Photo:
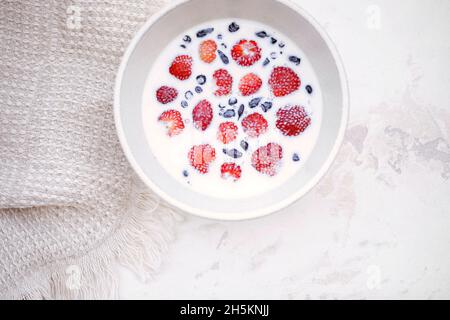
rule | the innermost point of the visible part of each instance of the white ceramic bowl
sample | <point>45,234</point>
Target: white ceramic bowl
<point>181,15</point>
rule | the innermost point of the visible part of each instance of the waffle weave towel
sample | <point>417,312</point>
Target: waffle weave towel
<point>69,204</point>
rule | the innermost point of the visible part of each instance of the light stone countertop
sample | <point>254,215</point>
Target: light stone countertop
<point>378,225</point>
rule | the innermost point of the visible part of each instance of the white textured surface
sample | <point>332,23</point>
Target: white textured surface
<point>378,225</point>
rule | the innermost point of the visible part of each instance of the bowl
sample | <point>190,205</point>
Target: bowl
<point>155,35</point>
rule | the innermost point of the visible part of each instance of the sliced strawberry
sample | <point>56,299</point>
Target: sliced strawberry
<point>230,170</point>
<point>246,53</point>
<point>202,115</point>
<point>224,82</point>
<point>173,120</point>
<point>292,120</point>
<point>250,84</point>
<point>227,132</point>
<point>254,125</point>
<point>267,159</point>
<point>201,156</point>
<point>207,51</point>
<point>166,94</point>
<point>283,81</point>
<point>181,67</point>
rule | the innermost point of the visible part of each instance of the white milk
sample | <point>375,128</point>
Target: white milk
<point>172,151</point>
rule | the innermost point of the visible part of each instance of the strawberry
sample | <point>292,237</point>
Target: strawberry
<point>283,81</point>
<point>181,67</point>
<point>250,84</point>
<point>255,125</point>
<point>166,94</point>
<point>227,132</point>
<point>173,120</point>
<point>228,170</point>
<point>246,53</point>
<point>267,159</point>
<point>201,156</point>
<point>202,115</point>
<point>207,51</point>
<point>224,82</point>
<point>292,120</point>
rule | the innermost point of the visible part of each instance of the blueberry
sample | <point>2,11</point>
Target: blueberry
<point>188,95</point>
<point>232,101</point>
<point>266,62</point>
<point>223,57</point>
<point>187,39</point>
<point>234,153</point>
<point>295,157</point>
<point>241,111</point>
<point>262,34</point>
<point>204,32</point>
<point>281,45</point>
<point>198,89</point>
<point>254,102</point>
<point>219,36</point>
<point>185,173</point>
<point>233,27</point>
<point>183,46</point>
<point>184,104</point>
<point>230,113</point>
<point>266,106</point>
<point>273,40</point>
<point>273,55</point>
<point>201,79</point>
<point>244,145</point>
<point>309,89</point>
<point>295,60</point>
<point>225,151</point>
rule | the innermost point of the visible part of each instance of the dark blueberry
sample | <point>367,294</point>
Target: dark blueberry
<point>273,55</point>
<point>309,89</point>
<point>184,104</point>
<point>185,173</point>
<point>266,106</point>
<point>183,46</point>
<point>188,95</point>
<point>187,39</point>
<point>266,62</point>
<point>244,145</point>
<point>281,45</point>
<point>295,157</point>
<point>254,102</point>
<point>223,57</point>
<point>233,27</point>
<point>273,40</point>
<point>295,60</point>
<point>232,101</point>
<point>262,34</point>
<point>198,89</point>
<point>219,36</point>
<point>204,32</point>
<point>201,79</point>
<point>230,113</point>
<point>241,111</point>
<point>234,153</point>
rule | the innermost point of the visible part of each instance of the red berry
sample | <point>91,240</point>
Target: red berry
<point>228,170</point>
<point>227,132</point>
<point>254,125</point>
<point>283,81</point>
<point>173,120</point>
<point>250,84</point>
<point>246,53</point>
<point>292,120</point>
<point>202,115</point>
<point>181,67</point>
<point>207,51</point>
<point>224,82</point>
<point>201,156</point>
<point>267,159</point>
<point>166,94</point>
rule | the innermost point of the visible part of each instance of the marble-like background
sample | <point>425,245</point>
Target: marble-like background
<point>378,225</point>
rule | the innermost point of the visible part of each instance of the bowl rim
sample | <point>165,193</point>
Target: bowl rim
<point>257,213</point>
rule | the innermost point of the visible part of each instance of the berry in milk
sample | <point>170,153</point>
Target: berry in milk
<point>232,108</point>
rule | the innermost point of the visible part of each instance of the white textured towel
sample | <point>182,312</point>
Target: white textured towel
<point>69,205</point>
